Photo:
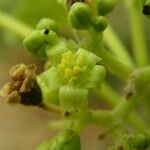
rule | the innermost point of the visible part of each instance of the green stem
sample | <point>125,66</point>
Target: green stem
<point>138,38</point>
<point>124,108</point>
<point>114,65</point>
<point>112,100</point>
<point>101,117</point>
<point>94,43</point>
<point>138,123</point>
<point>14,25</point>
<point>117,47</point>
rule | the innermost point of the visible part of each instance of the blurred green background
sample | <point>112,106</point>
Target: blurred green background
<point>23,128</point>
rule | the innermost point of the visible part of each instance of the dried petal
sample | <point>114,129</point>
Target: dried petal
<point>14,98</point>
<point>17,72</point>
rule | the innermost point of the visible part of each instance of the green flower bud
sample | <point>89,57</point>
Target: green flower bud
<point>37,42</point>
<point>66,140</point>
<point>73,98</point>
<point>99,23</point>
<point>47,23</point>
<point>80,16</point>
<point>139,141</point>
<point>146,8</point>
<point>105,6</point>
<point>50,37</point>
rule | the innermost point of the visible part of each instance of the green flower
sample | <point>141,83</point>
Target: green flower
<point>68,82</point>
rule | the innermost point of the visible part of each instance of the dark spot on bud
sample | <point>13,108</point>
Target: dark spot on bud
<point>146,10</point>
<point>46,31</point>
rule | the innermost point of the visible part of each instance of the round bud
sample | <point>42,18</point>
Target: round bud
<point>49,36</point>
<point>35,44</point>
<point>105,6</point>
<point>99,23</point>
<point>80,16</point>
<point>47,23</point>
<point>138,141</point>
<point>73,98</point>
<point>66,140</point>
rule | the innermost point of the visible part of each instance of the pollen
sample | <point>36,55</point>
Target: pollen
<point>68,73</point>
<point>76,70</point>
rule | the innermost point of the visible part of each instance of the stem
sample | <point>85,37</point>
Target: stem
<point>14,25</point>
<point>101,117</point>
<point>138,123</point>
<point>112,100</point>
<point>94,43</point>
<point>117,47</point>
<point>123,108</point>
<point>52,109</point>
<point>138,39</point>
<point>57,125</point>
<point>114,65</point>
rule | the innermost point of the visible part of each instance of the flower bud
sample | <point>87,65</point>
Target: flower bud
<point>139,141</point>
<point>47,23</point>
<point>80,16</point>
<point>99,23</point>
<point>49,36</point>
<point>35,44</point>
<point>105,6</point>
<point>73,98</point>
<point>66,140</point>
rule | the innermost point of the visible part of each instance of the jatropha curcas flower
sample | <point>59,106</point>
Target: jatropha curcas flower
<point>68,83</point>
<point>72,73</point>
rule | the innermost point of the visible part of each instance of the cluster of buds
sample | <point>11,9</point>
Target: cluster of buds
<point>73,71</point>
<point>80,15</point>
